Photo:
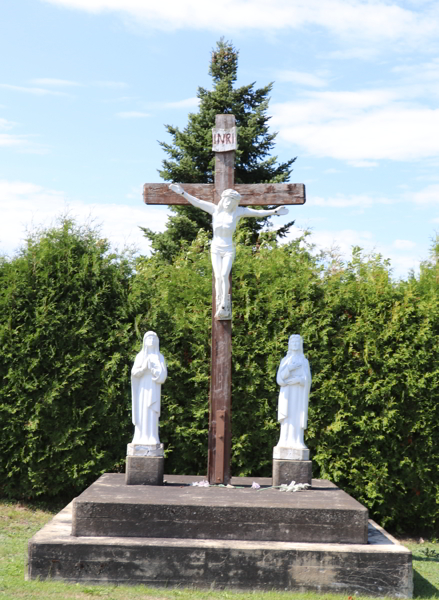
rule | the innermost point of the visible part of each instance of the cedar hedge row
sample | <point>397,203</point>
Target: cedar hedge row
<point>72,316</point>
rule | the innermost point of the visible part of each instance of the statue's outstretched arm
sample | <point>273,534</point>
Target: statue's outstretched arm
<point>206,206</point>
<point>260,214</point>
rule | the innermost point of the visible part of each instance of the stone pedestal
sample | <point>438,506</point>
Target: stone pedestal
<point>291,464</point>
<point>286,471</point>
<point>144,464</point>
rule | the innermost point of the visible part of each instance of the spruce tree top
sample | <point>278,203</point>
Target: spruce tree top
<point>190,157</point>
<point>224,62</point>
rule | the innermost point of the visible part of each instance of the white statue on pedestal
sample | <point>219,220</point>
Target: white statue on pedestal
<point>225,217</point>
<point>148,373</point>
<point>294,378</point>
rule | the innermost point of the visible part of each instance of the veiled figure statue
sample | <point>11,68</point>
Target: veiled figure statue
<point>147,375</point>
<point>294,378</point>
<point>225,217</point>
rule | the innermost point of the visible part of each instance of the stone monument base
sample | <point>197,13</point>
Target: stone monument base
<point>286,471</point>
<point>323,514</point>
<point>144,470</point>
<point>380,567</point>
<point>145,464</point>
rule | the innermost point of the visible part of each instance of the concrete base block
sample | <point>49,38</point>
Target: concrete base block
<point>179,510</point>
<point>144,470</point>
<point>380,568</point>
<point>286,471</point>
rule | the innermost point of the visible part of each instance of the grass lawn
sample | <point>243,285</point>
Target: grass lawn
<point>18,523</point>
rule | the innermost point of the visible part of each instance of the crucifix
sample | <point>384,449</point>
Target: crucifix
<point>209,196</point>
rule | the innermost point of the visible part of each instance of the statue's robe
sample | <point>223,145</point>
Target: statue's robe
<point>293,399</point>
<point>146,391</point>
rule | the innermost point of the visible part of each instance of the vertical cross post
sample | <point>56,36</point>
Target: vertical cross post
<point>220,397</point>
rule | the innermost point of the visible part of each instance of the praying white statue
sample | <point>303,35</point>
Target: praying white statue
<point>147,375</point>
<point>225,217</point>
<point>294,378</point>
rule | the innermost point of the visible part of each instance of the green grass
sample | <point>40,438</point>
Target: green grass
<point>18,523</point>
<point>425,569</point>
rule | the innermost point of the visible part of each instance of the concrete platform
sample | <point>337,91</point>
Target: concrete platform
<point>381,568</point>
<point>323,514</point>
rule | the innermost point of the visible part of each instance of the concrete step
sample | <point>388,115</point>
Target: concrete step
<point>323,514</point>
<point>381,568</point>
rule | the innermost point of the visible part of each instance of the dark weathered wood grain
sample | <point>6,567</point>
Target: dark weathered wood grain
<point>265,194</point>
<point>220,396</point>
<point>253,194</point>
<point>159,193</point>
<point>219,445</point>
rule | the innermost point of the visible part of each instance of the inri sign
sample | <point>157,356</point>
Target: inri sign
<point>224,140</point>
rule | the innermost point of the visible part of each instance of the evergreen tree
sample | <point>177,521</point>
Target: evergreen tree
<point>191,159</point>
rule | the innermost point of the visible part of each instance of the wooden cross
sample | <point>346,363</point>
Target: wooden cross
<point>261,194</point>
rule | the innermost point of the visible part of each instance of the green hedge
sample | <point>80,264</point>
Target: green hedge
<point>65,343</point>
<point>73,316</point>
<point>373,348</point>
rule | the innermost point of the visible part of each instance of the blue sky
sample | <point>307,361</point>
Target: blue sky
<point>86,87</point>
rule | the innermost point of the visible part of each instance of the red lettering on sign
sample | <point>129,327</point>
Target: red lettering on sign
<point>224,139</point>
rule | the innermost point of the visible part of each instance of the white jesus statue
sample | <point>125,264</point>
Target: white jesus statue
<point>225,217</point>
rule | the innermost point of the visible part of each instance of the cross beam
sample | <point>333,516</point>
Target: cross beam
<point>261,194</point>
<point>253,194</point>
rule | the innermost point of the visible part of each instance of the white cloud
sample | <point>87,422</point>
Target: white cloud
<point>7,140</point>
<point>132,115</point>
<point>354,19</point>
<point>24,205</point>
<point>360,127</point>
<point>401,264</point>
<point>403,244</point>
<point>429,195</point>
<point>344,240</point>
<point>186,103</point>
<point>5,124</point>
<point>301,78</point>
<point>363,163</point>
<point>341,242</point>
<point>354,53</point>
<point>111,84</point>
<point>351,201</point>
<point>36,91</point>
<point>55,82</point>
<point>426,72</point>
<point>23,143</point>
